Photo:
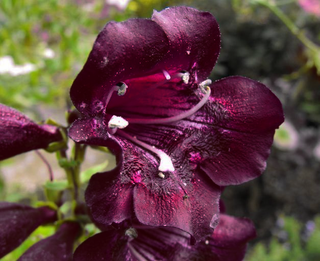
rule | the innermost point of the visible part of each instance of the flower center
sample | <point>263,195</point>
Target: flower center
<point>117,122</point>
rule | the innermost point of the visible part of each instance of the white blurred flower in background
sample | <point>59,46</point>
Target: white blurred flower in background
<point>286,137</point>
<point>48,53</point>
<point>120,4</point>
<point>7,66</point>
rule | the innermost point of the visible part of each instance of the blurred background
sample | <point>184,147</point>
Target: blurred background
<point>44,44</point>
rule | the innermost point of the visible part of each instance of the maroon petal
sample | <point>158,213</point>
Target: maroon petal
<point>19,134</point>
<point>245,114</point>
<point>244,105</point>
<point>233,232</point>
<point>193,46</point>
<point>158,243</point>
<point>94,132</point>
<point>230,136</point>
<point>57,247</point>
<point>228,242</point>
<point>188,203</point>
<point>147,244</point>
<point>17,222</point>
<point>121,51</point>
<point>194,38</point>
<point>109,200</point>
<point>109,245</point>
<point>194,210</point>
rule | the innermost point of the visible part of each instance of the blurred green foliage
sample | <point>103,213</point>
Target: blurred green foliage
<point>292,248</point>
<point>68,28</point>
<point>40,233</point>
<point>27,30</point>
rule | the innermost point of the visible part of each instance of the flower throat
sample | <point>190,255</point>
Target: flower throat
<point>116,123</point>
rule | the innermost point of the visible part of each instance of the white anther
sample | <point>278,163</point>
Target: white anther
<point>131,232</point>
<point>117,122</point>
<point>203,85</point>
<point>161,175</point>
<point>165,162</point>
<point>167,75</point>
<point>122,89</point>
<point>185,77</point>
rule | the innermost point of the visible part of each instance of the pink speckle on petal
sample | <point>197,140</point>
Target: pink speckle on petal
<point>195,157</point>
<point>136,177</point>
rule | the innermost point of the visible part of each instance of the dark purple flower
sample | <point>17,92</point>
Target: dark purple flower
<point>19,134</point>
<point>58,247</point>
<point>17,222</point>
<point>227,243</point>
<point>176,139</point>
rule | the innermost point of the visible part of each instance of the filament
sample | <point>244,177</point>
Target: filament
<point>181,116</point>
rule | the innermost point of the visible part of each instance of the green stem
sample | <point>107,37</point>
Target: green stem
<point>314,49</point>
<point>69,173</point>
<point>78,157</point>
<point>291,26</point>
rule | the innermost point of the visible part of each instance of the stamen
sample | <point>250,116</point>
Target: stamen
<point>177,117</point>
<point>161,175</point>
<point>165,160</point>
<point>203,85</point>
<point>113,89</point>
<point>131,232</point>
<point>117,122</point>
<point>122,88</point>
<point>184,76</point>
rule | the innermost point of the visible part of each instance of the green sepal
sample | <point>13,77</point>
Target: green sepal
<point>48,204</point>
<point>52,122</point>
<point>54,190</point>
<point>58,145</point>
<point>57,185</point>
<point>67,164</point>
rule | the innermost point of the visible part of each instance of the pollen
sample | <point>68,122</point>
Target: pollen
<point>204,86</point>
<point>185,77</point>
<point>122,89</point>
<point>161,175</point>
